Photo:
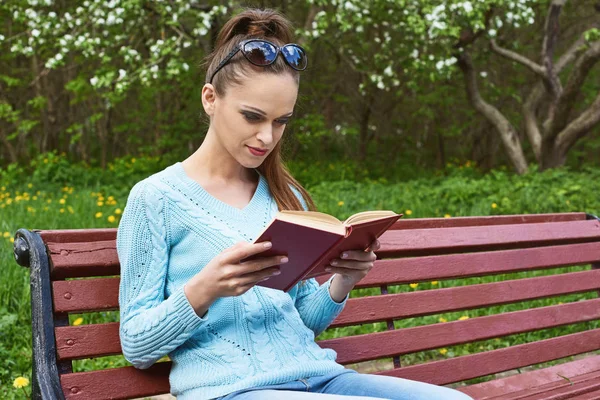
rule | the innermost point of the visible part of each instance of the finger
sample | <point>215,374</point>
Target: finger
<point>254,278</point>
<point>358,255</point>
<point>263,262</point>
<point>243,251</point>
<point>353,265</point>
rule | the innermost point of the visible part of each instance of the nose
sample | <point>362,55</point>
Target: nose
<point>265,134</point>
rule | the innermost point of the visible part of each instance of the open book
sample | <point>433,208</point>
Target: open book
<point>311,239</point>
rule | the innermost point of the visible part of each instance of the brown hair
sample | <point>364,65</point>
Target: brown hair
<point>263,24</point>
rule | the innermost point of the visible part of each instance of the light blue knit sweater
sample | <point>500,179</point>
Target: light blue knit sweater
<point>170,229</point>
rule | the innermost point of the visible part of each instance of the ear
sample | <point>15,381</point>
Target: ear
<point>209,96</point>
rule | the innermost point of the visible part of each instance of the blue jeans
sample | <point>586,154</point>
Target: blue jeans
<point>349,385</point>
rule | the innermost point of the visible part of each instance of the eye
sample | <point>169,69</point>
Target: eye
<point>282,121</point>
<point>251,117</point>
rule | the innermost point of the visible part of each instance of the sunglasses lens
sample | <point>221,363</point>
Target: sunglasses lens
<point>260,53</point>
<point>295,56</point>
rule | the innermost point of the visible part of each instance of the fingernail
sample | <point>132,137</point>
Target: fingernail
<point>334,262</point>
<point>344,255</point>
<point>267,244</point>
<point>276,273</point>
<point>284,260</point>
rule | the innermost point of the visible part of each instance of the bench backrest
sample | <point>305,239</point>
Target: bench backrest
<point>413,251</point>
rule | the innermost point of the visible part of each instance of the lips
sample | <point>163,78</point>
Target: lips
<point>257,151</point>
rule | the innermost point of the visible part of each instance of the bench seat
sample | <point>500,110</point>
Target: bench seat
<point>77,271</point>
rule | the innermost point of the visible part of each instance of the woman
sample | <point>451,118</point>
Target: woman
<point>184,230</point>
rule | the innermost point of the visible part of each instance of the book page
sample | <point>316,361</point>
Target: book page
<point>368,216</point>
<point>314,219</point>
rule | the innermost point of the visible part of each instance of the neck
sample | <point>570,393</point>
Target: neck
<point>212,162</point>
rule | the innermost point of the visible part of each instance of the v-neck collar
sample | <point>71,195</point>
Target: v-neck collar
<point>262,191</point>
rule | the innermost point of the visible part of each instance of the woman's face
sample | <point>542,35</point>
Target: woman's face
<point>251,115</point>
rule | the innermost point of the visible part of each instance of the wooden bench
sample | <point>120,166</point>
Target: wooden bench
<point>415,250</point>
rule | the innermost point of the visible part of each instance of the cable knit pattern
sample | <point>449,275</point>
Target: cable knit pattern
<point>170,229</point>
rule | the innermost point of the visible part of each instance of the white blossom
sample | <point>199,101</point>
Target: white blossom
<point>35,33</point>
<point>483,74</point>
<point>94,81</point>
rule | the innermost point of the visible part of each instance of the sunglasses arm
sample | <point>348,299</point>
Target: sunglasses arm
<point>225,61</point>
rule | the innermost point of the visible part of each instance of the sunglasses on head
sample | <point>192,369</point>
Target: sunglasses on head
<point>262,53</point>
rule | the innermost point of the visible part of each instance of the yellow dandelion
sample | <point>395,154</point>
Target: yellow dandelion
<point>434,283</point>
<point>340,203</point>
<point>34,198</point>
<point>98,215</point>
<point>133,160</point>
<point>442,319</point>
<point>446,215</point>
<point>463,318</point>
<point>21,382</point>
<point>62,210</point>
<point>29,185</point>
<point>62,201</point>
<point>443,351</point>
<point>78,321</point>
<point>100,198</point>
<point>414,285</point>
<point>12,239</point>
<point>49,201</point>
<point>3,188</point>
<point>118,211</point>
<point>110,198</point>
<point>494,205</point>
<point>45,161</point>
<point>408,212</point>
<point>6,234</point>
<point>111,218</point>
<point>100,203</point>
<point>70,209</point>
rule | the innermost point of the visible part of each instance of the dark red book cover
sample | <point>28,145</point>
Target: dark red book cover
<point>310,249</point>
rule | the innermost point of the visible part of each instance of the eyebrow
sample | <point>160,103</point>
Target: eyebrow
<point>258,110</point>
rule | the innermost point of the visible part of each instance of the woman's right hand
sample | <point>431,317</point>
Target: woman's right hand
<point>225,276</point>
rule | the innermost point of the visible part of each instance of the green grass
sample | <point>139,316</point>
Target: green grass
<point>34,205</point>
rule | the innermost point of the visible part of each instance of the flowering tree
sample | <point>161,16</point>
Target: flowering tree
<point>397,42</point>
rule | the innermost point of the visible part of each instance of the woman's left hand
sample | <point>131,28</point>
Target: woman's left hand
<point>355,265</point>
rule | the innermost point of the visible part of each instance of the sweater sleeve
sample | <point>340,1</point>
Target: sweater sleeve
<point>316,307</point>
<point>151,326</point>
<point>313,302</point>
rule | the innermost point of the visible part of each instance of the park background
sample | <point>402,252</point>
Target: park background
<point>429,108</point>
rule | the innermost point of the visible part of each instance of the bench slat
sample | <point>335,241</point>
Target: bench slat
<point>76,259</point>
<point>102,294</point>
<point>425,242</point>
<point>427,302</point>
<point>77,235</point>
<point>86,295</point>
<point>429,223</point>
<point>566,392</point>
<point>99,258</point>
<point>117,383</point>
<point>595,395</point>
<point>539,378</point>
<point>98,340</point>
<point>494,361</point>
<point>419,269</point>
<point>352,349</point>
